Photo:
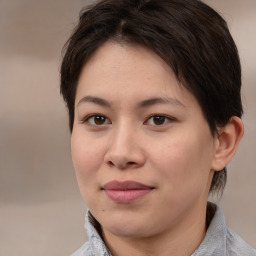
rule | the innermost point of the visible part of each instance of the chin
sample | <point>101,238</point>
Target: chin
<point>126,227</point>
<point>127,231</point>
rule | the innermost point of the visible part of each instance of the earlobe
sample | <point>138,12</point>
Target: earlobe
<point>228,138</point>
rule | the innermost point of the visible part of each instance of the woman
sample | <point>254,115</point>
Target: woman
<point>153,93</point>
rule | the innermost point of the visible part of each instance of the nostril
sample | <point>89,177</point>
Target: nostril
<point>131,163</point>
<point>110,163</point>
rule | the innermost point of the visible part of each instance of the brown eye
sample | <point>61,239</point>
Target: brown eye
<point>159,120</point>
<point>97,120</point>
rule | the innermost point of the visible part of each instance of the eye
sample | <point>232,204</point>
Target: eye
<point>96,120</point>
<point>158,120</point>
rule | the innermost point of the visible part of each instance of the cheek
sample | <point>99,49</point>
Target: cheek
<point>184,159</point>
<point>87,157</point>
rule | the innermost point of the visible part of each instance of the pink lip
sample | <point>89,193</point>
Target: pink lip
<point>126,191</point>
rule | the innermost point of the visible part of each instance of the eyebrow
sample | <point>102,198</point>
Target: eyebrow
<point>142,104</point>
<point>155,101</point>
<point>96,100</point>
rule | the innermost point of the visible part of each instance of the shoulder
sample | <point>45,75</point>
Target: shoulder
<point>219,239</point>
<point>84,250</point>
<point>236,246</point>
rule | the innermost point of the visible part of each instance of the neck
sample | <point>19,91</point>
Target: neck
<point>182,240</point>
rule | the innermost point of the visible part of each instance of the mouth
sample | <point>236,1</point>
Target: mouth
<point>126,191</point>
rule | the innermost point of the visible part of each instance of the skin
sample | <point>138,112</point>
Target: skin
<point>175,155</point>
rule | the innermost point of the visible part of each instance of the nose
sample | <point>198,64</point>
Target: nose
<point>124,149</point>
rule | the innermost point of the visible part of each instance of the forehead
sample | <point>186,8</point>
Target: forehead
<point>126,61</point>
<point>131,71</point>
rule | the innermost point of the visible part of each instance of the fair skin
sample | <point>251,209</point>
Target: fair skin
<point>134,122</point>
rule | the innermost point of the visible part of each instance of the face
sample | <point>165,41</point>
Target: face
<point>141,147</point>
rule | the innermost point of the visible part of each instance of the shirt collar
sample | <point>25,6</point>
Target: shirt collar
<point>97,245</point>
<point>214,242</point>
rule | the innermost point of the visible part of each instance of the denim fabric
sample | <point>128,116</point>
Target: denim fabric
<point>219,240</point>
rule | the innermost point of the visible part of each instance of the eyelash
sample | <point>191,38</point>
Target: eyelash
<point>165,117</point>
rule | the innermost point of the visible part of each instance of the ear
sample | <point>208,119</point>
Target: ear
<point>227,141</point>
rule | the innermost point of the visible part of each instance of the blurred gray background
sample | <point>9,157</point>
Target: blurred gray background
<point>41,211</point>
